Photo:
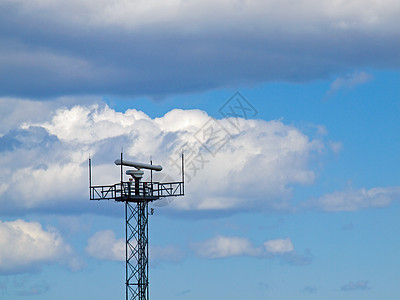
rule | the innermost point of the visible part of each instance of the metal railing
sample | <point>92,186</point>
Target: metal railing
<point>127,190</point>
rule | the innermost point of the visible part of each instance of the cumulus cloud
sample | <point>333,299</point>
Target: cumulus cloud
<point>222,246</point>
<point>230,246</point>
<point>203,44</point>
<point>355,286</point>
<point>44,164</point>
<point>105,246</point>
<point>25,246</point>
<point>352,200</point>
<point>279,246</point>
<point>16,111</point>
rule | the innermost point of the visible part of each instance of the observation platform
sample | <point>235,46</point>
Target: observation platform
<point>127,191</point>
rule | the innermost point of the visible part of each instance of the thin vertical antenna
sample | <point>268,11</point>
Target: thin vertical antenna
<point>126,248</point>
<point>151,172</point>
<point>122,171</point>
<point>90,176</point>
<point>126,228</point>
<point>147,250</point>
<point>183,173</point>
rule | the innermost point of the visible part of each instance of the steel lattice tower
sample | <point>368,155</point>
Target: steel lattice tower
<point>136,195</point>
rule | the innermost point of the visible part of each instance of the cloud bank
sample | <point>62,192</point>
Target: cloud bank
<point>44,164</point>
<point>51,48</point>
<point>105,246</point>
<point>25,246</point>
<point>232,164</point>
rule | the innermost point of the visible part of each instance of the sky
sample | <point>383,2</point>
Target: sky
<point>288,115</point>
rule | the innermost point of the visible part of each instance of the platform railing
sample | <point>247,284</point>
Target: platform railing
<point>146,190</point>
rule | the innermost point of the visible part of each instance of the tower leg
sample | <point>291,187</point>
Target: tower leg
<point>136,251</point>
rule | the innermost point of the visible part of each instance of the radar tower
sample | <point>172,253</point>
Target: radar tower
<point>136,195</point>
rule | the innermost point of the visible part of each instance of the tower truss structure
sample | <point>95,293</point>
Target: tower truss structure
<point>136,195</point>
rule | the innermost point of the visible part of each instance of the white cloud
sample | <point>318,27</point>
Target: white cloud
<point>279,246</point>
<point>231,246</point>
<point>16,111</point>
<point>349,81</point>
<point>104,245</point>
<point>222,246</point>
<point>255,167</point>
<point>26,245</point>
<point>91,124</point>
<point>352,200</point>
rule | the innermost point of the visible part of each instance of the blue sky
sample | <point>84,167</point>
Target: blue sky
<point>300,199</point>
